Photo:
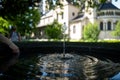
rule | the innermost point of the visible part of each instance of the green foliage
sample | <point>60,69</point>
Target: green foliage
<point>110,41</point>
<point>17,12</point>
<point>77,3</point>
<point>14,7</point>
<point>102,1</point>
<point>26,23</point>
<point>11,8</point>
<point>116,32</point>
<point>4,26</point>
<point>53,31</point>
<point>91,32</point>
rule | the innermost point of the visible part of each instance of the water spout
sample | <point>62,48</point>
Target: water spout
<point>64,28</point>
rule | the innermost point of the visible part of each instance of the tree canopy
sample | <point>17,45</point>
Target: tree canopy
<point>54,31</point>
<point>91,32</point>
<point>15,7</point>
<point>78,3</point>
<point>4,25</point>
<point>16,10</point>
<point>10,8</point>
<point>18,13</point>
<point>116,32</point>
<point>26,23</point>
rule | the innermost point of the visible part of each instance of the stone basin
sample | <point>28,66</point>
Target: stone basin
<point>90,62</point>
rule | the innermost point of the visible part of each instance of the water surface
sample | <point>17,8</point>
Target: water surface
<point>58,67</point>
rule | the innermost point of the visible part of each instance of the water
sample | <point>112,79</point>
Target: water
<point>55,67</point>
<point>76,67</point>
<point>7,60</point>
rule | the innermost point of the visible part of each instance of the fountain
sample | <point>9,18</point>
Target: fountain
<point>64,28</point>
<point>55,66</point>
<point>71,66</point>
<point>76,68</point>
<point>62,66</point>
<point>64,55</point>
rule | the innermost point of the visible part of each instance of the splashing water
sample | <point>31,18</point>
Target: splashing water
<point>76,67</point>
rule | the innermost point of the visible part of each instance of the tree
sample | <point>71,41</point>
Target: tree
<point>102,1</point>
<point>78,3</point>
<point>4,26</point>
<point>116,32</point>
<point>17,12</point>
<point>11,8</point>
<point>53,31</point>
<point>91,32</point>
<point>26,23</point>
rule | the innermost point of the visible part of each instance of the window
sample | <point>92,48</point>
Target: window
<point>109,25</point>
<point>74,29</point>
<point>57,16</point>
<point>73,14</point>
<point>101,25</point>
<point>62,14</point>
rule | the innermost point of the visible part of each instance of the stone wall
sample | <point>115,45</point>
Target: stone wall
<point>110,50</point>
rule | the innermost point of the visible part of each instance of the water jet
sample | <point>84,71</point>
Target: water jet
<point>35,64</point>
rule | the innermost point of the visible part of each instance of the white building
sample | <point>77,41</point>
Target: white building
<point>107,15</point>
<point>62,15</point>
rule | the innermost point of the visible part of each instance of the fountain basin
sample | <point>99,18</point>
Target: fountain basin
<point>109,50</point>
<point>89,59</point>
<point>54,67</point>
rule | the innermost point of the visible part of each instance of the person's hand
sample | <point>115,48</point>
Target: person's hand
<point>14,48</point>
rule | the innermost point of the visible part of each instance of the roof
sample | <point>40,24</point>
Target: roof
<point>78,17</point>
<point>69,1</point>
<point>108,5</point>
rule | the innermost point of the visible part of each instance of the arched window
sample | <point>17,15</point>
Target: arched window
<point>74,29</point>
<point>57,16</point>
<point>73,14</point>
<point>62,14</point>
<point>101,25</point>
<point>109,25</point>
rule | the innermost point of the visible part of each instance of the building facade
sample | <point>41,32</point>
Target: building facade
<point>62,15</point>
<point>107,15</point>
